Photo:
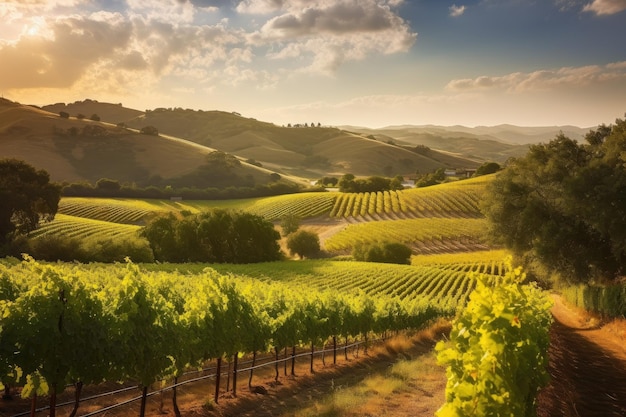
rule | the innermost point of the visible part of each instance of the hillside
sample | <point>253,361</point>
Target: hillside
<point>75,150</point>
<point>493,143</point>
<point>304,151</point>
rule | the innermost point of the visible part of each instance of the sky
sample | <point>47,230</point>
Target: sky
<point>371,63</point>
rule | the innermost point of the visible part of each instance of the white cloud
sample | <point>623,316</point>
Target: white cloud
<point>605,7</point>
<point>172,11</point>
<point>543,79</point>
<point>327,34</point>
<point>456,11</point>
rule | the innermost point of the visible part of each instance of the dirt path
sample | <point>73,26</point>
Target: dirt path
<point>587,367</point>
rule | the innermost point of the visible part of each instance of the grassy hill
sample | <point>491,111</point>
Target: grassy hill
<point>481,147</point>
<point>76,150</point>
<point>309,151</point>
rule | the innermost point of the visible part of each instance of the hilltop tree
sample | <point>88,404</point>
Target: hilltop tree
<point>149,130</point>
<point>26,198</point>
<point>561,207</point>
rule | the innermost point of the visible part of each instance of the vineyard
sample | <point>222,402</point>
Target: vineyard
<point>422,235</point>
<point>457,199</point>
<point>82,228</point>
<point>124,323</point>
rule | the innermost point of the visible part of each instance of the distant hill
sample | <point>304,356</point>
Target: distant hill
<point>315,151</point>
<point>75,150</point>
<point>496,143</point>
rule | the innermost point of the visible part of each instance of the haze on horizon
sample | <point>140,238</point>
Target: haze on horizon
<point>370,63</point>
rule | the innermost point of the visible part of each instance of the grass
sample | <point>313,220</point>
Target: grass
<point>407,381</point>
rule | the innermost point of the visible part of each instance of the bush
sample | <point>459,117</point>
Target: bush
<point>109,250</point>
<point>384,252</point>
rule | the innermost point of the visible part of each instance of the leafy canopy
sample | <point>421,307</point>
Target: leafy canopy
<point>561,207</point>
<point>26,198</point>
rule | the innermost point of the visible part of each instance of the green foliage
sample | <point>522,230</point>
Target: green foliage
<point>431,179</point>
<point>328,181</point>
<point>563,205</point>
<point>64,323</point>
<point>26,198</point>
<point>606,300</point>
<point>304,243</point>
<point>290,223</point>
<point>214,236</point>
<point>108,185</point>
<point>497,355</point>
<point>487,168</point>
<point>349,184</point>
<point>385,252</point>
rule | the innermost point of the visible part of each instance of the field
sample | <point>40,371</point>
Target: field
<point>441,224</point>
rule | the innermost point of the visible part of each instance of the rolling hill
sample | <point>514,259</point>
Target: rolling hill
<point>494,143</point>
<point>304,151</point>
<point>74,150</point>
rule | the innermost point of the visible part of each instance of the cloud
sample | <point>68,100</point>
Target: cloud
<point>605,7</point>
<point>58,61</point>
<point>456,11</point>
<point>172,41</point>
<point>543,79</point>
<point>330,33</point>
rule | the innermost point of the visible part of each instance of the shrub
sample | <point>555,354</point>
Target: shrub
<point>384,252</point>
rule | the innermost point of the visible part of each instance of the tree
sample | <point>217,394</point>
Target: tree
<point>303,243</point>
<point>64,115</point>
<point>561,207</point>
<point>149,130</point>
<point>384,252</point>
<point>220,236</point>
<point>95,117</point>
<point>27,197</point>
<point>487,168</point>
<point>108,185</point>
<point>290,223</point>
<point>347,183</point>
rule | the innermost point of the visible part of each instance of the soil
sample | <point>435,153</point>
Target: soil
<point>587,366</point>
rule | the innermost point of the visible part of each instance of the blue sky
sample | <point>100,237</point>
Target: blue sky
<point>361,62</point>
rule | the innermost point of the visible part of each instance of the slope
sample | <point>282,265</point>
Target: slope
<point>306,151</point>
<point>75,150</point>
